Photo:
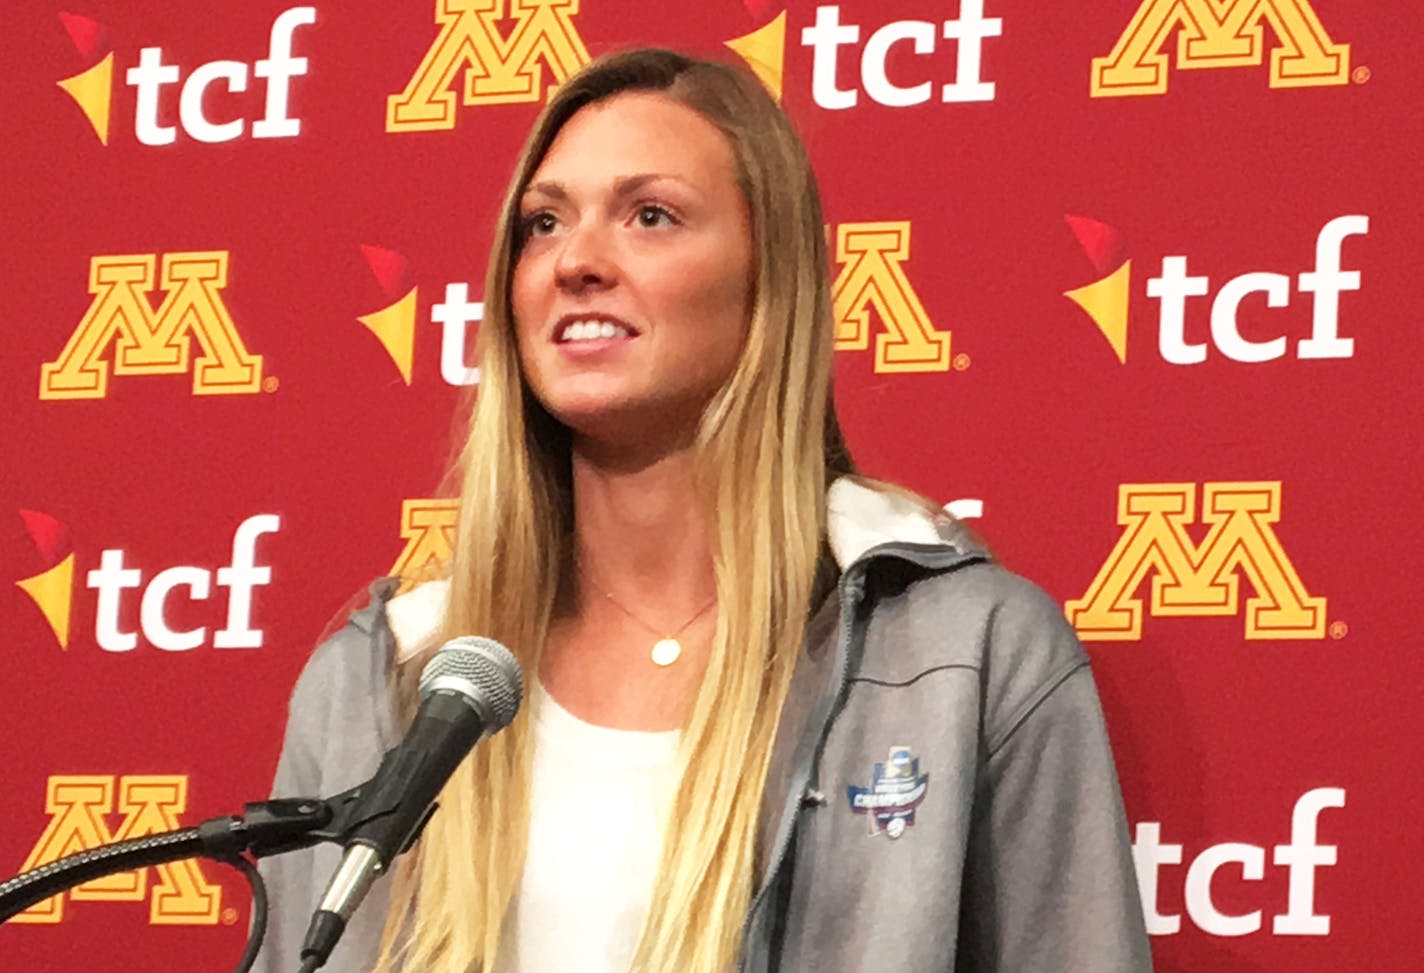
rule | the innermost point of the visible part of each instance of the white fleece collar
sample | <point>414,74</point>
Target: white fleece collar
<point>859,518</point>
<point>414,616</point>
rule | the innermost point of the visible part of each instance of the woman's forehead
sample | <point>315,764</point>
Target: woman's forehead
<point>636,134</point>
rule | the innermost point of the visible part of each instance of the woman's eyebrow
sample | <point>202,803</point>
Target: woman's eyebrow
<point>547,187</point>
<point>623,186</point>
<point>628,185</point>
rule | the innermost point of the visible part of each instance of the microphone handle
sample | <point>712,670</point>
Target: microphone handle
<point>394,806</point>
<point>383,824</point>
<point>359,868</point>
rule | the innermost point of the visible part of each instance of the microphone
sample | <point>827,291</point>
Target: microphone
<point>468,691</point>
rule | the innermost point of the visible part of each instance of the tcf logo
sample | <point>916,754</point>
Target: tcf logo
<point>1302,855</point>
<point>872,49</point>
<point>52,590</point>
<point>1107,299</point>
<point>92,89</point>
<point>394,324</point>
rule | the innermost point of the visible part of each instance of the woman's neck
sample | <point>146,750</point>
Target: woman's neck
<point>643,572</point>
<point>640,535</point>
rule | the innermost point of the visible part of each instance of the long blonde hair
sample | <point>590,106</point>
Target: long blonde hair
<point>767,446</point>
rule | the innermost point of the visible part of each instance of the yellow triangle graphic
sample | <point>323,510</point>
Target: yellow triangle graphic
<point>764,50</point>
<point>91,90</point>
<point>1106,303</point>
<point>52,591</point>
<point>394,326</point>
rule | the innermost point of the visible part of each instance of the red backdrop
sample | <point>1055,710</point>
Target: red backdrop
<point>1129,274</point>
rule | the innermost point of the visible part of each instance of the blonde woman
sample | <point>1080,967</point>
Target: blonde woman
<point>781,718</point>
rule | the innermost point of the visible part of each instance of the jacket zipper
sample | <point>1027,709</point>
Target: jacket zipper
<point>851,590</point>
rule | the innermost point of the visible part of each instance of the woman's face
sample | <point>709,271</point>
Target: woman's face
<point>632,285</point>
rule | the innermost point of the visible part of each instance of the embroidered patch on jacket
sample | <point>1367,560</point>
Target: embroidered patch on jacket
<point>896,788</point>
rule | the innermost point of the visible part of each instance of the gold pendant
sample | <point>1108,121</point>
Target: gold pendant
<point>666,651</point>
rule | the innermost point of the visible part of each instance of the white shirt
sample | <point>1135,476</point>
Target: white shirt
<point>599,798</point>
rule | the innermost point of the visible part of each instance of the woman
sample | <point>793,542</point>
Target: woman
<point>861,745</point>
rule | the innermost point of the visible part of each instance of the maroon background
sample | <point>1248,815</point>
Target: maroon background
<point>1216,736</point>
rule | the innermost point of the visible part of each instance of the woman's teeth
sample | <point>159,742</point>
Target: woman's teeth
<point>591,331</point>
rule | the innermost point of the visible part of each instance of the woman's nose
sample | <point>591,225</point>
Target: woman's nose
<point>585,259</point>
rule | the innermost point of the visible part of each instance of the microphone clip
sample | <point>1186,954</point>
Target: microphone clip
<point>281,825</point>
<point>278,826</point>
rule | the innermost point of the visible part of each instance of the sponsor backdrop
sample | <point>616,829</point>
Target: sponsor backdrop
<point>1123,282</point>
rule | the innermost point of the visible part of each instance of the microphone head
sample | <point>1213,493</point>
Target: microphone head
<point>481,670</point>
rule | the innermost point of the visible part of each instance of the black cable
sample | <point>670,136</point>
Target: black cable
<point>24,890</point>
<point>258,930</point>
<point>310,964</point>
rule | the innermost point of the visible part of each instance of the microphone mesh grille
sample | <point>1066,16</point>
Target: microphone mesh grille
<point>491,670</point>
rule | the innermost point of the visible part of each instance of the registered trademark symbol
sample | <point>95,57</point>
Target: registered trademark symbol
<point>1360,75</point>
<point>1338,630</point>
<point>961,362</point>
<point>270,383</point>
<point>229,916</point>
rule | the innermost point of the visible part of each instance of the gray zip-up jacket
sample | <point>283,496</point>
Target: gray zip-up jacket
<point>941,798</point>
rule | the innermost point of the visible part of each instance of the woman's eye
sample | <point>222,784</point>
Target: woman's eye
<point>539,224</point>
<point>652,215</point>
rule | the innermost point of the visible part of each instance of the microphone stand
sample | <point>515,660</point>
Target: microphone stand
<point>264,828</point>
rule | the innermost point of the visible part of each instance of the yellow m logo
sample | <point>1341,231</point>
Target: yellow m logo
<point>871,276</point>
<point>77,806</point>
<point>428,529</point>
<point>1192,579</point>
<point>498,70</point>
<point>1221,34</point>
<point>149,342</point>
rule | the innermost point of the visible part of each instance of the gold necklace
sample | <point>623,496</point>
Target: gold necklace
<point>667,649</point>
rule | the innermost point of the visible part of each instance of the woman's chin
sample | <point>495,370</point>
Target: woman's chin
<point>627,426</point>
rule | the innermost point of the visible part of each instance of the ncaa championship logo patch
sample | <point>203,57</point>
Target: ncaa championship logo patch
<point>896,788</point>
